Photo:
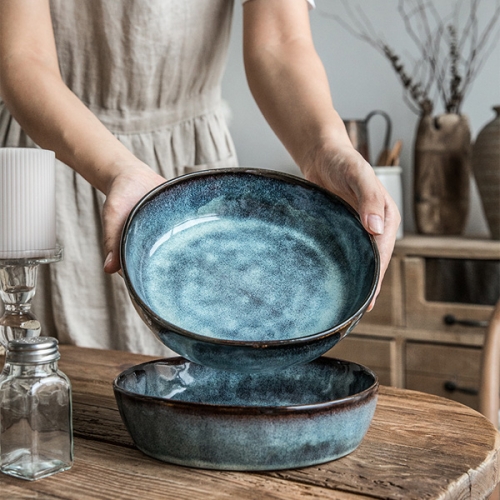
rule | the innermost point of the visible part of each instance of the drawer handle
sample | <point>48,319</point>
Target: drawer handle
<point>450,386</point>
<point>450,319</point>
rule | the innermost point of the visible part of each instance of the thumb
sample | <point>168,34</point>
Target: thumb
<point>113,222</point>
<point>125,191</point>
<point>371,205</point>
<point>371,210</point>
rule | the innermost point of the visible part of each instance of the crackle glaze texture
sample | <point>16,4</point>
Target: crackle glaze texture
<point>196,416</point>
<point>246,257</point>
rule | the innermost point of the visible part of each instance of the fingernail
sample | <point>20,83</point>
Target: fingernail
<point>376,224</point>
<point>109,258</point>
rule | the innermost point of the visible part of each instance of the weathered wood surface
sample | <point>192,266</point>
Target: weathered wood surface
<point>419,446</point>
<point>447,247</point>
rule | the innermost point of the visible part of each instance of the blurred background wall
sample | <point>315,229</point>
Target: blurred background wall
<point>361,80</point>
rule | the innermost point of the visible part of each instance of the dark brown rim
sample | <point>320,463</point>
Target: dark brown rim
<point>261,410</point>
<point>291,179</point>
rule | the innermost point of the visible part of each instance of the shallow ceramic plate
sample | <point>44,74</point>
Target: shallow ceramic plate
<point>247,269</point>
<point>187,414</point>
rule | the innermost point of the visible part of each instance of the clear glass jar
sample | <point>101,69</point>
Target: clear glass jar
<point>36,435</point>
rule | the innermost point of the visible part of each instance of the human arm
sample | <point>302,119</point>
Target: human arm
<point>289,83</point>
<point>35,94</point>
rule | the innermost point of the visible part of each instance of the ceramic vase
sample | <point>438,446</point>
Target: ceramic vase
<point>486,168</point>
<point>390,177</point>
<point>442,174</point>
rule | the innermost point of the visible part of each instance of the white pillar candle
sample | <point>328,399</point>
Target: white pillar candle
<point>27,203</point>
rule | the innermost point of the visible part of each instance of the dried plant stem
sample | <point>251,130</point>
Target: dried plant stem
<point>449,59</point>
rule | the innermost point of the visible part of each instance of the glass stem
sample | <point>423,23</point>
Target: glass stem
<point>17,289</point>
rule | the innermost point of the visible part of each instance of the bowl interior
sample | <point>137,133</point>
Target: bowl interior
<point>321,381</point>
<point>248,257</point>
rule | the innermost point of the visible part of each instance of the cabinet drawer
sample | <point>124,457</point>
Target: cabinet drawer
<point>430,367</point>
<point>388,310</point>
<point>421,313</point>
<point>373,353</point>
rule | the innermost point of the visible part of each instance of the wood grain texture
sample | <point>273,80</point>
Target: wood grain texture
<point>424,314</point>
<point>418,447</point>
<point>447,246</point>
<point>388,309</point>
<point>490,369</point>
<point>375,353</point>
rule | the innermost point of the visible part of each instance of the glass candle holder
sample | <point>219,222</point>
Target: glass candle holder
<point>27,235</point>
<point>18,279</point>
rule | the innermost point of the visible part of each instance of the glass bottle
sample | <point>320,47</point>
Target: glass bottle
<point>36,435</point>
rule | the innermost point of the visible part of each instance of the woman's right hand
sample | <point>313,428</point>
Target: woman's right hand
<point>35,94</point>
<point>126,189</point>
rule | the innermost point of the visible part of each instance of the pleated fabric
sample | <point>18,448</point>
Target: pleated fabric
<point>151,71</point>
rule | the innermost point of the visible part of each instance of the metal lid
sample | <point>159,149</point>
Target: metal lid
<point>33,350</point>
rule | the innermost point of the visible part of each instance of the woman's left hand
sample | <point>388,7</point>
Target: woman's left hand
<point>345,172</point>
<point>290,86</point>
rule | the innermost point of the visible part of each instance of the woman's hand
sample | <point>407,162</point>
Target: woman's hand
<point>34,92</point>
<point>290,86</point>
<point>345,172</point>
<point>126,189</point>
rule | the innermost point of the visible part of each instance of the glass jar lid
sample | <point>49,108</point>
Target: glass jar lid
<point>33,350</point>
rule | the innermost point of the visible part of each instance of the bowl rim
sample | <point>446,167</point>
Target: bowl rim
<point>260,172</point>
<point>354,399</point>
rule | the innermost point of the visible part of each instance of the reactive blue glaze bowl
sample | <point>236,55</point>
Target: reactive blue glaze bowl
<point>247,270</point>
<point>188,414</point>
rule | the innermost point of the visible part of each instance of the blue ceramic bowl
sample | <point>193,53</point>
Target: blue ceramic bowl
<point>247,270</point>
<point>192,415</point>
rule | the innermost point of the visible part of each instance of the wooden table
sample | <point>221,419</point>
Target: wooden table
<point>419,446</point>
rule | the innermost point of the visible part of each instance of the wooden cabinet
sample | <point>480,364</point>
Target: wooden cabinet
<point>372,352</point>
<point>430,315</point>
<point>427,328</point>
<point>446,370</point>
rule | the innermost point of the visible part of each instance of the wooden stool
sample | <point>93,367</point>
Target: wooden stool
<point>489,388</point>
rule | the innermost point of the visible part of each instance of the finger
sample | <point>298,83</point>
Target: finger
<point>371,210</point>
<point>371,204</point>
<point>385,242</point>
<point>112,224</point>
<point>380,217</point>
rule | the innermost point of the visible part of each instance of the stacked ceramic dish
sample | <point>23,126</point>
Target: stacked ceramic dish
<point>251,276</point>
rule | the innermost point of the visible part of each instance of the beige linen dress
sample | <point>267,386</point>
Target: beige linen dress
<point>151,72</point>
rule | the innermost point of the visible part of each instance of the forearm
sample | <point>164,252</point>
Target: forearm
<point>34,93</point>
<point>289,83</point>
<point>56,119</point>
